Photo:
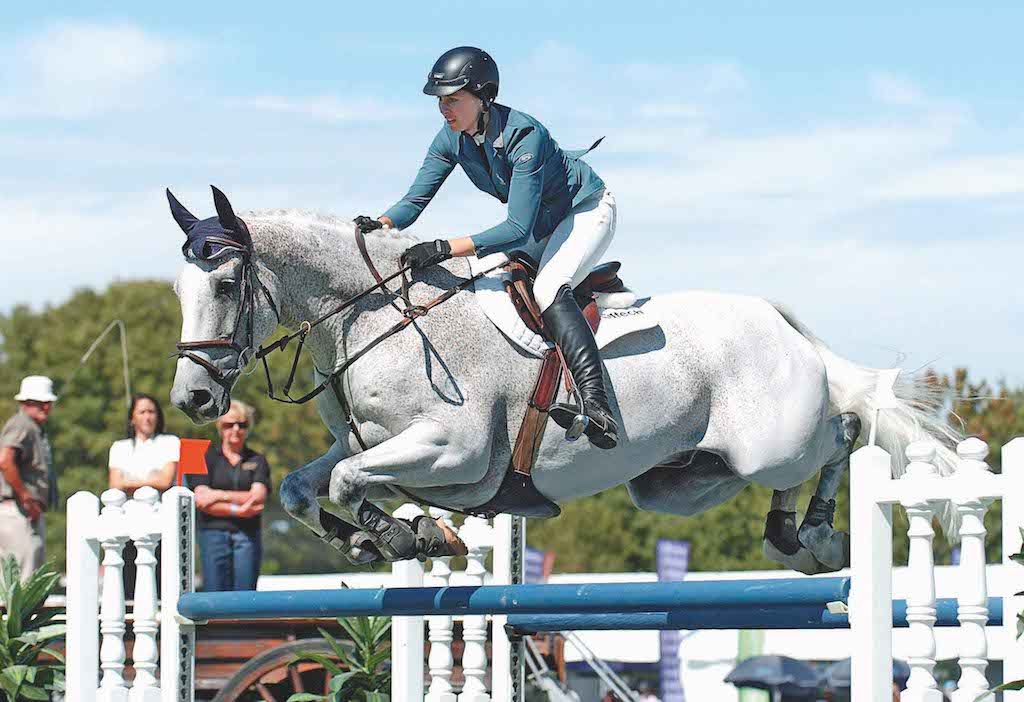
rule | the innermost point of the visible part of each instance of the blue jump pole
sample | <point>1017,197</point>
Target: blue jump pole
<point>787,617</point>
<point>752,595</point>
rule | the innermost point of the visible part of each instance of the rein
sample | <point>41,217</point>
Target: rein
<point>246,312</point>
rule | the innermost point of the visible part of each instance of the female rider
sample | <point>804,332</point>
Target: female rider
<point>560,216</point>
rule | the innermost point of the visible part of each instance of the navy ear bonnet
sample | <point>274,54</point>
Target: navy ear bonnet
<point>215,237</point>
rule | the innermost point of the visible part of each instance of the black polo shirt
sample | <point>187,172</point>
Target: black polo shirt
<point>221,475</point>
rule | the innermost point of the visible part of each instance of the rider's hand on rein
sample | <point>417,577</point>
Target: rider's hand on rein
<point>367,224</point>
<point>427,253</point>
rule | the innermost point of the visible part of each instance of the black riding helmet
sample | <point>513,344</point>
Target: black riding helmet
<point>464,67</point>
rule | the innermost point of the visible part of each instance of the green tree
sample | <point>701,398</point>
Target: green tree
<point>91,412</point>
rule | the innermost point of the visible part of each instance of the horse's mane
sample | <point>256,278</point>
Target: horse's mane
<point>297,218</point>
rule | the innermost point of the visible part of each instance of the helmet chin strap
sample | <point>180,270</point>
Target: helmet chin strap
<point>482,119</point>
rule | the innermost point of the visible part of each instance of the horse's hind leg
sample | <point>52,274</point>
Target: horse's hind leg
<point>816,547</point>
<point>300,491</point>
<point>830,548</point>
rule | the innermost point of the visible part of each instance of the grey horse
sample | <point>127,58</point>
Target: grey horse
<point>729,390</point>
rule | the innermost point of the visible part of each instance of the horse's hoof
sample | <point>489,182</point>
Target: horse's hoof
<point>830,548</point>
<point>436,539</point>
<point>803,561</point>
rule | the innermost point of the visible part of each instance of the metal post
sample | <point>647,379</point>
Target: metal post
<point>177,577</point>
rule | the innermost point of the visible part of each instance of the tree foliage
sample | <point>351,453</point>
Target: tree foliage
<point>91,412</point>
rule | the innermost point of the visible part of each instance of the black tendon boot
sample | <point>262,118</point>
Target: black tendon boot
<point>565,323</point>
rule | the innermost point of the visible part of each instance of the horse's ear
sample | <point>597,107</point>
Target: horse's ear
<point>183,217</point>
<point>225,214</point>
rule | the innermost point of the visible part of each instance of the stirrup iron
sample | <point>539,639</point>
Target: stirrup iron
<point>578,427</point>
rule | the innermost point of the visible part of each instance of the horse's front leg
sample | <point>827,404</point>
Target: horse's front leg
<point>412,458</point>
<point>300,491</point>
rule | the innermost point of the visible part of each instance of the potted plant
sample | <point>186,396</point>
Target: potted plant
<point>357,671</point>
<point>29,668</point>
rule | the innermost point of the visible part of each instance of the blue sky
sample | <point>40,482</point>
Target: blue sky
<point>865,167</point>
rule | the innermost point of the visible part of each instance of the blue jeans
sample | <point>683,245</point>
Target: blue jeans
<point>230,559</point>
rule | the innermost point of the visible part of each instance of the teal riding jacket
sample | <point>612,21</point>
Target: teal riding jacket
<point>520,164</point>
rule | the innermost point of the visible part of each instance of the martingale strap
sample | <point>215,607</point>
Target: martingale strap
<point>410,313</point>
<point>334,378</point>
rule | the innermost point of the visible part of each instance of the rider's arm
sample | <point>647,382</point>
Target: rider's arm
<point>524,193</point>
<point>438,164</point>
<point>462,246</point>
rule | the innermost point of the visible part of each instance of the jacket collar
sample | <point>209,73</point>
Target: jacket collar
<point>494,131</point>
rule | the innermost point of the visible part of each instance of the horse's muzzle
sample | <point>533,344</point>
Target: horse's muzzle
<point>200,404</point>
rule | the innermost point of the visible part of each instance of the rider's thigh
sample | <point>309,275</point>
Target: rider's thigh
<point>575,247</point>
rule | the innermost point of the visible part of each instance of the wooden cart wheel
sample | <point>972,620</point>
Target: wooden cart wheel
<point>274,675</point>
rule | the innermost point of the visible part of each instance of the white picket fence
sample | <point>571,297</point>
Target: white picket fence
<point>922,492</point>
<point>96,654</point>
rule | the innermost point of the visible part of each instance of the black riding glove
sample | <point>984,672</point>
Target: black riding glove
<point>366,224</point>
<point>428,253</point>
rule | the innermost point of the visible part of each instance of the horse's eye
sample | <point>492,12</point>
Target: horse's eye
<point>226,287</point>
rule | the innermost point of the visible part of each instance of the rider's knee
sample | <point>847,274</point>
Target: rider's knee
<point>546,287</point>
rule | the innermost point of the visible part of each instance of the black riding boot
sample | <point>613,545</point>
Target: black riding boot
<point>565,323</point>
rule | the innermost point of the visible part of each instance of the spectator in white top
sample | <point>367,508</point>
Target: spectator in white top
<point>147,457</point>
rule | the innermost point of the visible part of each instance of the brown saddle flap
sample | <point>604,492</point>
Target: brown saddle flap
<point>519,284</point>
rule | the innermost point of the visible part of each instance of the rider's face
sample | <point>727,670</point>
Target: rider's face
<point>460,110</point>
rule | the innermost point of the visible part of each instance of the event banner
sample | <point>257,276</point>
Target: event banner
<point>672,559</point>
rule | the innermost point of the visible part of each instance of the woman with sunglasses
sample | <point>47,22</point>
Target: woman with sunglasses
<point>229,501</point>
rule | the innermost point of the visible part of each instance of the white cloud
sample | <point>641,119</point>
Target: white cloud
<point>58,242</point>
<point>895,90</point>
<point>669,110</point>
<point>75,70</point>
<point>825,215</point>
<point>968,177</point>
<point>326,108</point>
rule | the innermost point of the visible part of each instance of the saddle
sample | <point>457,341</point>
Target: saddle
<point>517,494</point>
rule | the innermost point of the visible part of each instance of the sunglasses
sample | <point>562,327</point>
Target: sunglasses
<point>230,425</point>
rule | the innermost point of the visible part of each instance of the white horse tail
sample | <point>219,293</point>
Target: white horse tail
<point>916,415</point>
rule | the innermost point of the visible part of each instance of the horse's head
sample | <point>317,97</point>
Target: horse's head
<point>226,309</point>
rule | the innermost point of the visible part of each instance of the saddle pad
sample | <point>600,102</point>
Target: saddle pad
<point>621,313</point>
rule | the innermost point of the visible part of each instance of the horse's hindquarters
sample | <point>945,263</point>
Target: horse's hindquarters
<point>725,374</point>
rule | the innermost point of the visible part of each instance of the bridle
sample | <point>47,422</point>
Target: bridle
<point>244,321</point>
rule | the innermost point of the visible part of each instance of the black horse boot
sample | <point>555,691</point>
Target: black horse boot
<point>568,328</point>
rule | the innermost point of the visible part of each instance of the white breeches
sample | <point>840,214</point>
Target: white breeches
<point>575,247</point>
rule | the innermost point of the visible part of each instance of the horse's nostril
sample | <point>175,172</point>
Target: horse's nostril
<point>200,398</point>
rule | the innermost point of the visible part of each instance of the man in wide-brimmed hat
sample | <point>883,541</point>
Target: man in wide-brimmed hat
<point>28,485</point>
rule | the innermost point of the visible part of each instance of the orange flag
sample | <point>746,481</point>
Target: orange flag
<point>192,459</point>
